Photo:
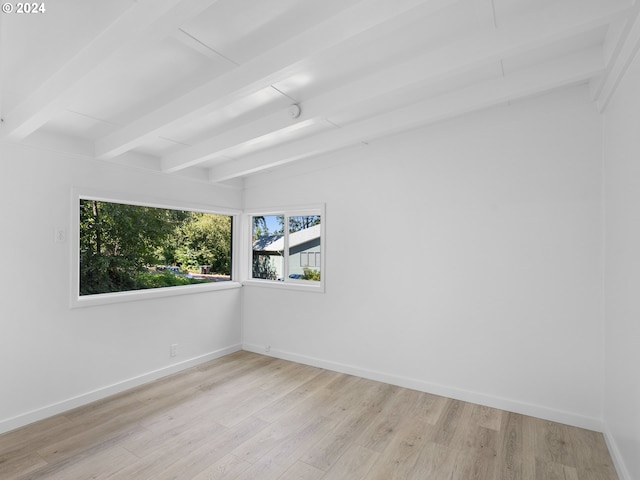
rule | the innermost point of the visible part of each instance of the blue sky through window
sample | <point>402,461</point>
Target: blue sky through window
<point>272,223</point>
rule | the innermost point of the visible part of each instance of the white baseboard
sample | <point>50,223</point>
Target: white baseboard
<point>568,418</point>
<point>18,421</point>
<point>621,468</point>
<point>515,406</point>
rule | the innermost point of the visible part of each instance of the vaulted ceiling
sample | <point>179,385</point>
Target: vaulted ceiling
<point>206,88</point>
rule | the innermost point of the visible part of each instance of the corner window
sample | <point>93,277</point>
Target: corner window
<point>125,248</point>
<point>286,247</point>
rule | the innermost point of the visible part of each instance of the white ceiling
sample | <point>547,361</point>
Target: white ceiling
<point>203,87</point>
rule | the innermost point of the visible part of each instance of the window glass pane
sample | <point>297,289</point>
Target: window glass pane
<point>268,247</point>
<point>304,244</point>
<point>132,247</point>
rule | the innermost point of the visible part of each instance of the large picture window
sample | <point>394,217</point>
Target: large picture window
<point>126,247</point>
<point>287,247</point>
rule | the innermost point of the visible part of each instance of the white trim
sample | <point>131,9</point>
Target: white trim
<point>136,295</point>
<point>628,49</point>
<point>128,198</point>
<point>511,405</point>
<point>291,285</point>
<point>616,456</point>
<point>21,420</point>
<point>77,301</point>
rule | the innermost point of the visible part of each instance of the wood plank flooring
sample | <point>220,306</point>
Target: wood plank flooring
<point>247,416</point>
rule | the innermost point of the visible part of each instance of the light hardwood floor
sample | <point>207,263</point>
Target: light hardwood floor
<point>250,417</point>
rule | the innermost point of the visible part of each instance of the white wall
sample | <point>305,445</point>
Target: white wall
<point>462,259</point>
<point>53,357</point>
<point>622,272</point>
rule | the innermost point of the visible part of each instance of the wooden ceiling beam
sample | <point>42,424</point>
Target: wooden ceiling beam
<point>473,50</point>
<point>366,19</point>
<point>142,21</point>
<point>569,70</point>
<point>624,43</point>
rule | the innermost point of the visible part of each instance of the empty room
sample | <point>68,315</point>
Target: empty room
<point>320,239</point>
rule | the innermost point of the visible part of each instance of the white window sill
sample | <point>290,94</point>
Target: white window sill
<point>136,295</point>
<point>316,287</point>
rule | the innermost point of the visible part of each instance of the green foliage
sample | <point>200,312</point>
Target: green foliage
<point>296,223</point>
<point>310,274</point>
<point>262,267</point>
<point>118,242</point>
<point>259,227</point>
<point>205,239</point>
<point>164,279</point>
<point>300,223</point>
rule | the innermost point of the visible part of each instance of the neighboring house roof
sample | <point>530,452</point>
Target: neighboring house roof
<point>275,243</point>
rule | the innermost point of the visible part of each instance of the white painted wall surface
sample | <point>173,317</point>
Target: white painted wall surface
<point>53,357</point>
<point>622,272</point>
<point>462,259</point>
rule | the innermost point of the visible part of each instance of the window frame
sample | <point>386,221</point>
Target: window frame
<point>78,301</point>
<point>287,283</point>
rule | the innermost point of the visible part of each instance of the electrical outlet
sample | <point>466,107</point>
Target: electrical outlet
<point>60,236</point>
<point>267,348</point>
<point>173,350</point>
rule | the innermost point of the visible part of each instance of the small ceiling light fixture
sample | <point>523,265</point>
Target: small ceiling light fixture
<point>294,110</point>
